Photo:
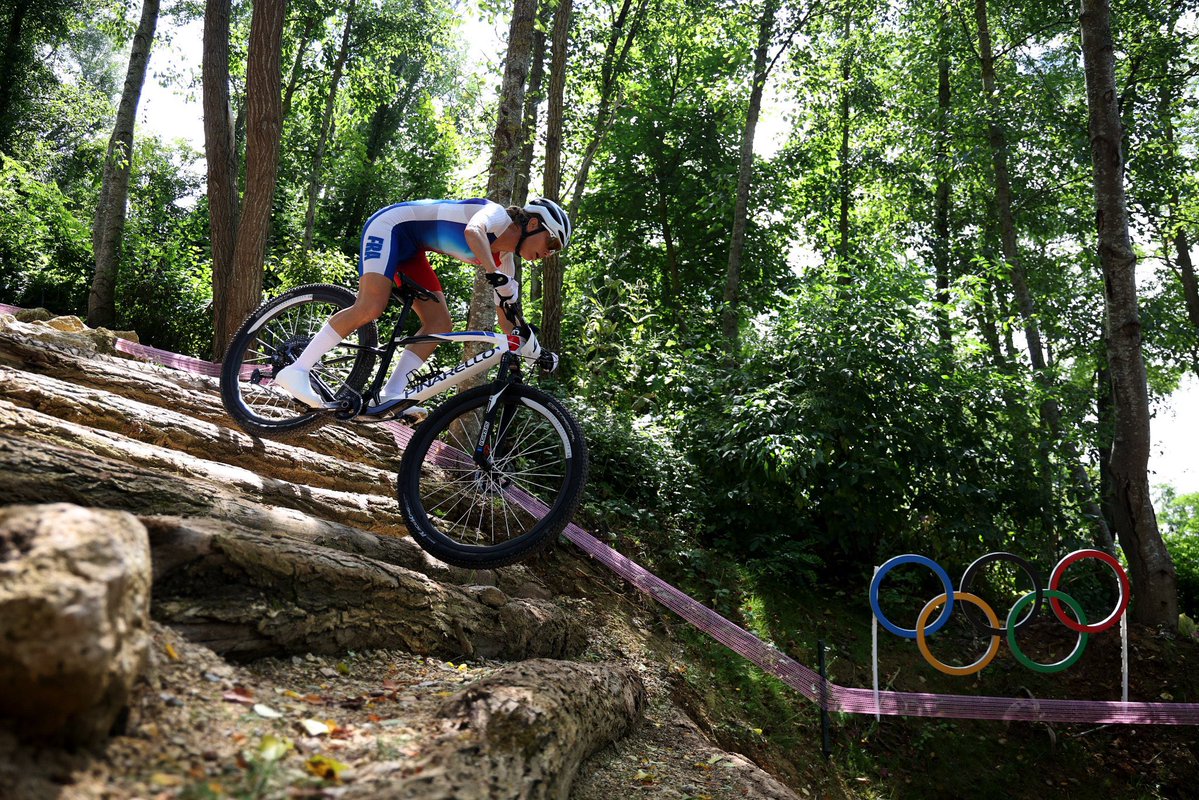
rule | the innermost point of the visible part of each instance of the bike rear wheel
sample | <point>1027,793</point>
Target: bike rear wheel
<point>270,339</point>
<point>476,517</point>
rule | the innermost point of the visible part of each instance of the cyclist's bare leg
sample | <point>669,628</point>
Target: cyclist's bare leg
<point>434,318</point>
<point>374,292</point>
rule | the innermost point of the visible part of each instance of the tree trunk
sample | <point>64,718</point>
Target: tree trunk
<point>671,275</point>
<point>1186,275</point>
<point>843,166</point>
<point>1153,576</point>
<point>730,318</point>
<point>302,44</point>
<point>10,63</point>
<point>248,594</point>
<point>264,127</point>
<point>505,152</point>
<point>522,732</point>
<point>114,190</point>
<point>552,272</point>
<point>383,124</point>
<point>173,390</point>
<point>941,242</point>
<point>1050,410</point>
<point>221,155</point>
<point>314,182</point>
<point>615,58</point>
<point>121,402</point>
<point>533,97</point>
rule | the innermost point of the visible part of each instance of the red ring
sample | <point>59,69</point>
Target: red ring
<point>1056,577</point>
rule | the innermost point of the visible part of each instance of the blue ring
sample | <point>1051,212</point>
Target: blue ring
<point>911,558</point>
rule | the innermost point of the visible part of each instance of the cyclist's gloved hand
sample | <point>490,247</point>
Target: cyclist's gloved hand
<point>506,289</point>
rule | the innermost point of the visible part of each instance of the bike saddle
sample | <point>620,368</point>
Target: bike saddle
<point>409,289</point>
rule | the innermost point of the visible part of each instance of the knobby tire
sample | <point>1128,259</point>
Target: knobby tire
<point>473,518</point>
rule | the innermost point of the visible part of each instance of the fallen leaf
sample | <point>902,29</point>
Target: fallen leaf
<point>272,748</point>
<point>172,653</point>
<point>263,710</point>
<point>165,779</point>
<point>238,697</point>
<point>314,727</point>
<point>325,767</point>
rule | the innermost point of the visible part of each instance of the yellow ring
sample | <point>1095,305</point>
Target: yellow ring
<point>969,669</point>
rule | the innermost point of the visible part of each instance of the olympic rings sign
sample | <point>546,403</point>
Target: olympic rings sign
<point>1013,622</point>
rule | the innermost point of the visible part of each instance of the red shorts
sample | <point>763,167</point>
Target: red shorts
<point>418,268</point>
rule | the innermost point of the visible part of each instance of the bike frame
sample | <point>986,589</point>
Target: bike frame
<point>502,349</point>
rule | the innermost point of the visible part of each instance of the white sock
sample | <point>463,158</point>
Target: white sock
<point>324,341</point>
<point>398,382</point>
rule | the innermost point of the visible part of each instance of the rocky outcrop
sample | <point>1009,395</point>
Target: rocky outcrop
<point>74,616</point>
<point>257,548</point>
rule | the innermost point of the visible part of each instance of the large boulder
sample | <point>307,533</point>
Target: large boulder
<point>74,619</point>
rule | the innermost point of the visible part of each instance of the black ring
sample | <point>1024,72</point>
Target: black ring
<point>1037,586</point>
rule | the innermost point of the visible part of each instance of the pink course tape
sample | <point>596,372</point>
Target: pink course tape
<point>803,679</point>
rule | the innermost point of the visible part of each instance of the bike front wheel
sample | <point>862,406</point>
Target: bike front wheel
<point>270,339</point>
<point>476,516</point>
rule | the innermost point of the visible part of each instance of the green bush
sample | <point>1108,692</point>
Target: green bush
<point>45,248</point>
<point>1179,520</point>
<point>637,479</point>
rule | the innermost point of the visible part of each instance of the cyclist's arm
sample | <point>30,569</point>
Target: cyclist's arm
<point>476,240</point>
<point>491,219</point>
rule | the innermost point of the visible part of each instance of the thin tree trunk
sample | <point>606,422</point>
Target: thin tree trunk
<point>1186,274</point>
<point>941,246</point>
<point>1050,410</point>
<point>730,317</point>
<point>9,64</point>
<point>533,97</point>
<point>297,65</point>
<point>1153,576</point>
<point>114,192</point>
<point>843,161</point>
<point>551,268</point>
<point>672,255</point>
<point>264,126</point>
<point>383,125</point>
<point>505,152</point>
<point>610,72</point>
<point>314,183</point>
<point>221,155</point>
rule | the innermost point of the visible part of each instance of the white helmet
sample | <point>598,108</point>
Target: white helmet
<point>552,217</point>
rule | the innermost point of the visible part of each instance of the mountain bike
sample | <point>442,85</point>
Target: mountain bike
<point>489,478</point>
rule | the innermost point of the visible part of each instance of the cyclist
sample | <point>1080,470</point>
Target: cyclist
<point>395,242</point>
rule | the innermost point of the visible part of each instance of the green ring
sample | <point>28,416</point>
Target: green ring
<point>1058,666</point>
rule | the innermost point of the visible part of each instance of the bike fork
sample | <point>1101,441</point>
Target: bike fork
<point>497,418</point>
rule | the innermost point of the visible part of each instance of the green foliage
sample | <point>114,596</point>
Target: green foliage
<point>45,248</point>
<point>847,431</point>
<point>164,284</point>
<point>638,481</point>
<point>1179,519</point>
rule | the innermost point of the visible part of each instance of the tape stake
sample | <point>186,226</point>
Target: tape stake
<point>874,649</point>
<point>1124,654</point>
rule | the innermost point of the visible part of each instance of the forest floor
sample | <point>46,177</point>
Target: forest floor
<point>355,726</point>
